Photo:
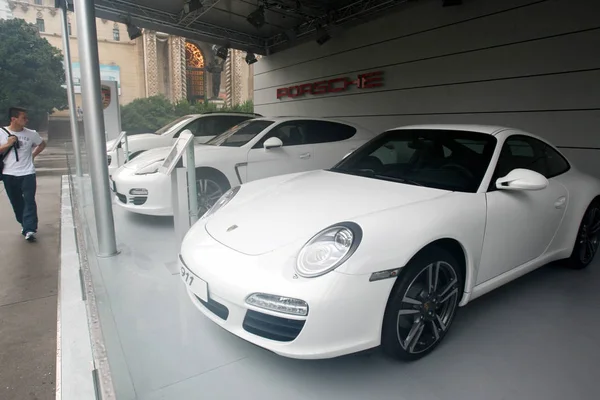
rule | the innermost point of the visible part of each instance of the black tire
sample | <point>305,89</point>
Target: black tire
<point>587,241</point>
<point>211,180</point>
<point>413,280</point>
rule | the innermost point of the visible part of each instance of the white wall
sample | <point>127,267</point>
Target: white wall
<point>533,65</point>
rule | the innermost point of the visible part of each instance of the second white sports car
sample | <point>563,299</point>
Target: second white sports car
<point>383,248</point>
<point>203,126</point>
<point>252,150</point>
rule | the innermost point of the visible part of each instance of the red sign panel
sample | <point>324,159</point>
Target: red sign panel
<point>363,81</point>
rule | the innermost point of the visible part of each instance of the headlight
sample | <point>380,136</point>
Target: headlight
<point>328,249</point>
<point>151,168</point>
<point>226,198</point>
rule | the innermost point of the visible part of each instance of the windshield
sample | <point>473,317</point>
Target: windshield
<point>436,158</point>
<point>240,134</point>
<point>170,125</point>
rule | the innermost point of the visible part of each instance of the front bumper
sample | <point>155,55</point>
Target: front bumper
<point>345,311</point>
<point>158,200</point>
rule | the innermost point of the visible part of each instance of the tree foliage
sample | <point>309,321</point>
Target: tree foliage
<point>151,113</point>
<point>31,72</point>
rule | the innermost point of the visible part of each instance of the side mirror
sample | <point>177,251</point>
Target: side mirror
<point>272,142</point>
<point>522,179</point>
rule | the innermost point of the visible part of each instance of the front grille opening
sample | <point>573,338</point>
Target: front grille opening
<point>271,327</point>
<point>216,308</point>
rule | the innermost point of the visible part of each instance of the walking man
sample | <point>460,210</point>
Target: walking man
<point>20,146</point>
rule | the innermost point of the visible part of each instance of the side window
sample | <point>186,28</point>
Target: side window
<point>292,133</point>
<point>529,153</point>
<point>213,126</point>
<point>517,152</point>
<point>222,123</point>
<point>556,164</point>
<point>328,131</point>
<point>193,126</point>
<point>520,148</point>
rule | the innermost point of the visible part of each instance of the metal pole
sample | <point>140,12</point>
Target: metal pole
<point>70,90</point>
<point>192,183</point>
<point>94,126</point>
<point>126,148</point>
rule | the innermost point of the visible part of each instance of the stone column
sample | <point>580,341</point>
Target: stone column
<point>150,63</point>
<point>238,64</point>
<point>178,67</point>
<point>229,79</point>
<point>234,78</point>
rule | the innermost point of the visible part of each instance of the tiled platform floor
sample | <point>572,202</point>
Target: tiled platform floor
<point>537,338</point>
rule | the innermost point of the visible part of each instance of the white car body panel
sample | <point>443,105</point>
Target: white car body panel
<point>237,164</point>
<point>503,235</point>
<point>325,189</point>
<point>286,160</point>
<point>512,216</point>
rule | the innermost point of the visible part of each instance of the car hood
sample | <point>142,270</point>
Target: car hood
<point>147,157</point>
<point>270,216</point>
<point>133,139</point>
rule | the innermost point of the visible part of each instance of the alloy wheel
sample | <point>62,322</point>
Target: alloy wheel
<point>589,237</point>
<point>428,306</point>
<point>209,192</point>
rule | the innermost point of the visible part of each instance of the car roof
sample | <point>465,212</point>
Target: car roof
<point>487,129</point>
<point>500,132</point>
<point>224,113</point>
<point>279,119</point>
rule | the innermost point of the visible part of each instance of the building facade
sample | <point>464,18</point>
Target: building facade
<point>153,64</point>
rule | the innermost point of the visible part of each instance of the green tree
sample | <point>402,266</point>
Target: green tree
<point>147,114</point>
<point>31,72</point>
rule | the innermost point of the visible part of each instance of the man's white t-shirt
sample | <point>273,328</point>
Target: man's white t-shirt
<point>28,139</point>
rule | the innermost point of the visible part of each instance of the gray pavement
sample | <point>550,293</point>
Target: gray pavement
<point>28,289</point>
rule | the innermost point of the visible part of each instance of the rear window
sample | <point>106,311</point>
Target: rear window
<point>328,131</point>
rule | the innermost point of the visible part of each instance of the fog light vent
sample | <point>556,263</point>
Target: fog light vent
<point>138,192</point>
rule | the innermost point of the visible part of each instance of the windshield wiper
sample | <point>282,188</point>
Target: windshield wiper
<point>399,180</point>
<point>369,173</point>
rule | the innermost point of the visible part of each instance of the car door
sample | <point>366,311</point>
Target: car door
<point>296,155</point>
<point>520,224</point>
<point>332,140</point>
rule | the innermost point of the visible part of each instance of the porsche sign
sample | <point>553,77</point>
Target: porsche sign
<point>362,81</point>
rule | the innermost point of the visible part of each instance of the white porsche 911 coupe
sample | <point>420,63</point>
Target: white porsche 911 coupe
<point>382,249</point>
<point>255,149</point>
<point>203,126</point>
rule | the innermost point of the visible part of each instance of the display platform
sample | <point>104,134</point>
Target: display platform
<point>535,338</point>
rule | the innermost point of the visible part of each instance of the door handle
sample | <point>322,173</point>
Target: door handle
<point>560,203</point>
<point>305,156</point>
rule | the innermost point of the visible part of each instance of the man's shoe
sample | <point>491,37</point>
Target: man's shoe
<point>30,237</point>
